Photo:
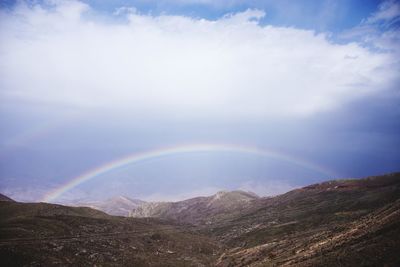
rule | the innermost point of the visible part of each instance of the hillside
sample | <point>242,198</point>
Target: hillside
<point>118,206</point>
<point>39,234</point>
<point>371,240</point>
<point>200,210</point>
<point>333,223</point>
<point>319,205</point>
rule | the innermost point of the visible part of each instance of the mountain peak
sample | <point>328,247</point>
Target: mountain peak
<point>197,210</point>
<point>235,195</point>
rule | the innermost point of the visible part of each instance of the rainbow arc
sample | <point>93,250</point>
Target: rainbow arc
<point>181,149</point>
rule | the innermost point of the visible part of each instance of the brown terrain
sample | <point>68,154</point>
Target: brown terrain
<point>337,223</point>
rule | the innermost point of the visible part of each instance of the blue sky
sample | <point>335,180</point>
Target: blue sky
<point>327,15</point>
<point>83,83</point>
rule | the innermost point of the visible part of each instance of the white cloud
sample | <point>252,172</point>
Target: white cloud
<point>377,31</point>
<point>232,66</point>
<point>124,10</point>
<point>387,11</point>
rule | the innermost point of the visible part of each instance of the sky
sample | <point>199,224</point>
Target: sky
<point>263,96</point>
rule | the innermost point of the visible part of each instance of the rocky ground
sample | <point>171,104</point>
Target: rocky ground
<point>52,235</point>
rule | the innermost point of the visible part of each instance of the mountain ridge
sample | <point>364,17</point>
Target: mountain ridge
<point>208,210</point>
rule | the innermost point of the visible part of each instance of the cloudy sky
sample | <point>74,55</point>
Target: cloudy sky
<point>86,83</point>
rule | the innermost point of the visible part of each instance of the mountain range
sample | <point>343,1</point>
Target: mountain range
<point>353,222</point>
<point>198,210</point>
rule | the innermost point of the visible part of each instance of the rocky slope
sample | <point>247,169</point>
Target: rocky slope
<point>118,206</point>
<point>200,210</point>
<point>372,240</point>
<point>39,234</point>
<point>336,223</point>
<point>328,203</point>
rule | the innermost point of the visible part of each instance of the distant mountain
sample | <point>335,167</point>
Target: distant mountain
<point>5,198</point>
<point>118,206</point>
<point>199,210</point>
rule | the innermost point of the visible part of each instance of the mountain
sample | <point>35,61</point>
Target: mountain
<point>199,210</point>
<point>118,206</point>
<point>5,198</point>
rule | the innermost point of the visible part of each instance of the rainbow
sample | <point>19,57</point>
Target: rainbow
<point>181,149</point>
